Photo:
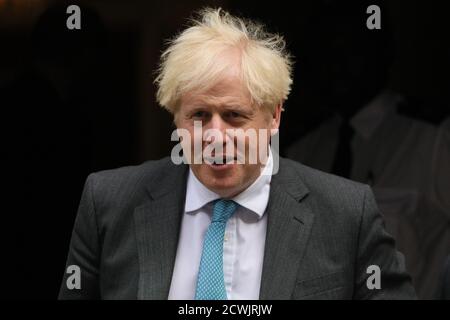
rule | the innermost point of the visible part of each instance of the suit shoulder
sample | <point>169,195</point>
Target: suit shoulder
<point>150,167</point>
<point>310,174</point>
<point>329,186</point>
<point>127,179</point>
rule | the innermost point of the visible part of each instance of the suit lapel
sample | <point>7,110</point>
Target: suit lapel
<point>157,225</point>
<point>289,225</point>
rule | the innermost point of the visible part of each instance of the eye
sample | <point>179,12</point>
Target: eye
<point>233,114</point>
<point>199,114</point>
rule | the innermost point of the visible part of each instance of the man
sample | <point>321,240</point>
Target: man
<point>371,139</point>
<point>222,228</point>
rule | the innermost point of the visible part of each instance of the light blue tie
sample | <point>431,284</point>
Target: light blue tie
<point>210,282</point>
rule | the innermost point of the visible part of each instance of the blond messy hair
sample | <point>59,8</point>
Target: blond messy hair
<point>190,61</point>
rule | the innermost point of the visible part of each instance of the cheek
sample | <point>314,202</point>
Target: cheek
<point>264,120</point>
<point>186,139</point>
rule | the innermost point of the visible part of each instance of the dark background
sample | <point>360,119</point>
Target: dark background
<point>74,102</point>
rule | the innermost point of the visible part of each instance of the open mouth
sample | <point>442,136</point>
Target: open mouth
<point>220,161</point>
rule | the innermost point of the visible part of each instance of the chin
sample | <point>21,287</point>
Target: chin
<point>225,188</point>
<point>224,181</point>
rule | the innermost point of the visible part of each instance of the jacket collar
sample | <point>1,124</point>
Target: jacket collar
<point>157,226</point>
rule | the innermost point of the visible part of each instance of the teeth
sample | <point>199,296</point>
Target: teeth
<point>219,161</point>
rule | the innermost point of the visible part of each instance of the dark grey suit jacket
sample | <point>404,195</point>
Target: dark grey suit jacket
<point>444,293</point>
<point>323,233</point>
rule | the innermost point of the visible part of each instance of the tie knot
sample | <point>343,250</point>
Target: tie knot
<point>223,210</point>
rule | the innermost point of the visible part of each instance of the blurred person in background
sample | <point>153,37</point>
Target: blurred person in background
<point>370,139</point>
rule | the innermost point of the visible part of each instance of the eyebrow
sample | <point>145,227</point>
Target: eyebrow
<point>234,107</point>
<point>224,107</point>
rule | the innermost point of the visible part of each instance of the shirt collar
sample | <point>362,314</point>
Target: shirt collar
<point>369,118</point>
<point>254,198</point>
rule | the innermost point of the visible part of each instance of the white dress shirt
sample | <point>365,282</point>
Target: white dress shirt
<point>405,160</point>
<point>244,241</point>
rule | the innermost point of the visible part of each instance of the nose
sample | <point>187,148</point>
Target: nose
<point>216,126</point>
<point>217,122</point>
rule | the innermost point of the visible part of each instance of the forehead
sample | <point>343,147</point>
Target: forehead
<point>228,90</point>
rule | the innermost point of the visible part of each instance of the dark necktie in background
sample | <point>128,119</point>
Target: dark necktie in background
<point>343,159</point>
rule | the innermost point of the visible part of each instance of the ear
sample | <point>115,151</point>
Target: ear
<point>276,116</point>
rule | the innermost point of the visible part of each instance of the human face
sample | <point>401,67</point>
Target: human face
<point>227,105</point>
